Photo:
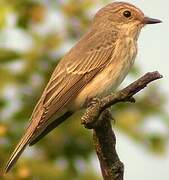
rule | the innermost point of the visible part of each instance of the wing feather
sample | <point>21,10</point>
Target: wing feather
<point>75,70</point>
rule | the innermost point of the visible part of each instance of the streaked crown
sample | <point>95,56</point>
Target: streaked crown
<point>121,15</point>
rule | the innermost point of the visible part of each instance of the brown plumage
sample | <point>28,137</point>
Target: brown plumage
<point>93,67</point>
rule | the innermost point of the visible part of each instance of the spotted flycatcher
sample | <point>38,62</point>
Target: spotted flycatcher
<point>95,66</point>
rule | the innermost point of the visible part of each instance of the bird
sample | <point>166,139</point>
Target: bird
<point>92,68</point>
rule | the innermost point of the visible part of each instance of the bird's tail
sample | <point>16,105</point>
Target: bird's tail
<point>19,149</point>
<point>35,118</point>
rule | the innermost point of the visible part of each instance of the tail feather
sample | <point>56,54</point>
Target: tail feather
<point>18,150</point>
<point>36,116</point>
<point>50,127</point>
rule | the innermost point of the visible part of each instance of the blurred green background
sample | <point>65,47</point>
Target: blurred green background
<point>34,35</point>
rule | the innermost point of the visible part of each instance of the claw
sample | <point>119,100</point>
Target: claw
<point>93,101</point>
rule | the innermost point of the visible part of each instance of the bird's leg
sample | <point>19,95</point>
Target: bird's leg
<point>93,107</point>
<point>92,101</point>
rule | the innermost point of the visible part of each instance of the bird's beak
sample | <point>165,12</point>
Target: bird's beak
<point>148,20</point>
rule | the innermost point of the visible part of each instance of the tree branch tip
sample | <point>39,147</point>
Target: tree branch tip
<point>131,100</point>
<point>156,74</point>
<point>161,76</point>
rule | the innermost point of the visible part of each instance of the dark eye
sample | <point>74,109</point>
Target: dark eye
<point>127,14</point>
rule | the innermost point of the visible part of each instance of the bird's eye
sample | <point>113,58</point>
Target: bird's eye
<point>127,14</point>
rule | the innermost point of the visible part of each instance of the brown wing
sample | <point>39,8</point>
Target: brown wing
<point>76,69</point>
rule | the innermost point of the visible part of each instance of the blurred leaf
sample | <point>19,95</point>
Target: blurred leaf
<point>8,55</point>
<point>3,16</point>
<point>3,102</point>
<point>29,12</point>
<point>156,143</point>
<point>6,77</point>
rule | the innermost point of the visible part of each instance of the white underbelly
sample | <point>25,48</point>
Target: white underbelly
<point>103,84</point>
<point>109,78</point>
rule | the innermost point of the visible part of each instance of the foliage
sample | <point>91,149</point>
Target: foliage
<point>48,29</point>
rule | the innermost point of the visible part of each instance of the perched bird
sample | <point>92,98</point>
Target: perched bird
<point>94,67</point>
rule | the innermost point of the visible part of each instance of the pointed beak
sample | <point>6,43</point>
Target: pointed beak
<point>148,20</point>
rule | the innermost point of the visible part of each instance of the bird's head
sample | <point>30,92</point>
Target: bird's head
<point>124,17</point>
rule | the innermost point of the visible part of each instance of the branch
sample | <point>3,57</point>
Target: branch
<point>98,118</point>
